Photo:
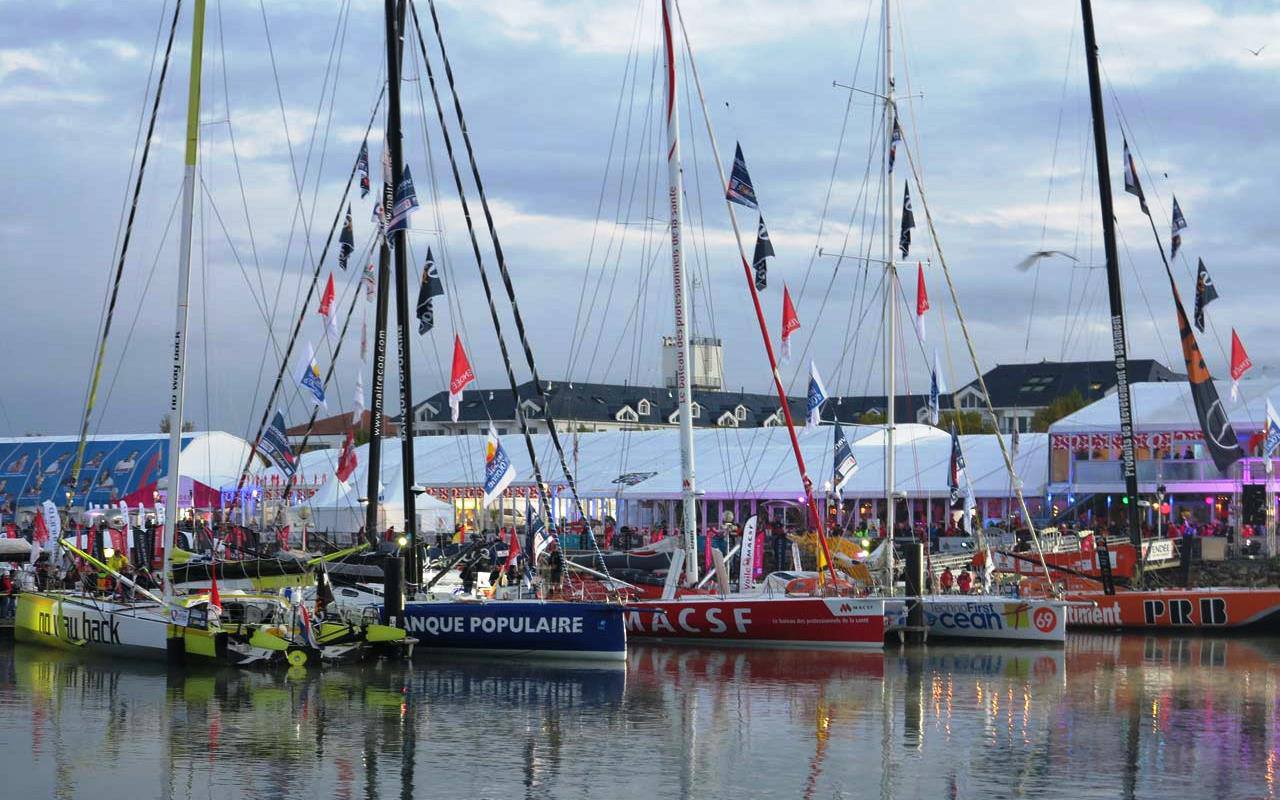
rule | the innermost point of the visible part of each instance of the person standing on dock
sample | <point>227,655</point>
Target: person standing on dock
<point>8,592</point>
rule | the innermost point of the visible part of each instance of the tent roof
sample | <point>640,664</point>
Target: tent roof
<point>1169,407</point>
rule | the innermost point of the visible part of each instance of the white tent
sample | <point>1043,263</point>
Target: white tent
<point>337,507</point>
<point>1159,407</point>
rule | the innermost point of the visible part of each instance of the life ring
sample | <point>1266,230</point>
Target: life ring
<point>297,657</point>
<point>808,586</point>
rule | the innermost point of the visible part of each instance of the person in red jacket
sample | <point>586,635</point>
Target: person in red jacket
<point>965,581</point>
<point>947,580</point>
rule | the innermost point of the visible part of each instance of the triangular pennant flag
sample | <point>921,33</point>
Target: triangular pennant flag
<point>845,463</point>
<point>1240,364</point>
<point>817,396</point>
<point>956,468</point>
<point>430,287</point>
<point>462,375</point>
<point>406,201</point>
<point>740,189</point>
<point>790,322</point>
<point>346,241</point>
<point>328,311</point>
<point>764,250</point>
<point>922,300</point>
<point>1131,183</point>
<point>893,144</point>
<point>1219,435</point>
<point>908,221</point>
<point>1205,293</point>
<point>275,446</point>
<point>362,169</point>
<point>307,375</point>
<point>935,391</point>
<point>1176,227</point>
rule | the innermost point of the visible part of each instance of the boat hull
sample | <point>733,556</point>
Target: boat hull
<point>528,628</point>
<point>823,622</point>
<point>94,625</point>
<point>1205,610</point>
<point>989,618</point>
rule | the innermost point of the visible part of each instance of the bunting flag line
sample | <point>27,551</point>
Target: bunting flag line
<point>347,458</point>
<point>845,463</point>
<point>1205,293</point>
<point>358,415</point>
<point>461,376</point>
<point>346,241</point>
<point>817,396</point>
<point>893,144</point>
<point>1131,183</point>
<point>790,322</point>
<point>956,468</point>
<point>308,378</point>
<point>922,300</point>
<point>430,287</point>
<point>1219,435</point>
<point>908,221</point>
<point>498,469</point>
<point>764,251</point>
<point>362,168</point>
<point>406,201</point>
<point>740,189</point>
<point>275,446</point>
<point>1240,364</point>
<point>1176,227</point>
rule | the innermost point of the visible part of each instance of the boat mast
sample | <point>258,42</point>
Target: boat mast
<point>178,387</point>
<point>373,482</point>
<point>395,36</point>
<point>1118,339</point>
<point>675,193</point>
<point>890,302</point>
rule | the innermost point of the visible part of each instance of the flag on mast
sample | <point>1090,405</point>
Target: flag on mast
<point>327,310</point>
<point>358,416</point>
<point>893,143</point>
<point>935,391</point>
<point>922,300</point>
<point>1131,183</point>
<point>1219,435</point>
<point>430,287</point>
<point>1205,293</point>
<point>1271,429</point>
<point>790,322</point>
<point>1177,226</point>
<point>406,201</point>
<point>956,468</point>
<point>845,463</point>
<point>764,251</point>
<point>347,240</point>
<point>347,460</point>
<point>908,221</point>
<point>370,281</point>
<point>498,469</point>
<point>275,446</point>
<point>462,375</point>
<point>307,376</point>
<point>817,396</point>
<point>1240,364</point>
<point>740,189</point>
<point>362,169</point>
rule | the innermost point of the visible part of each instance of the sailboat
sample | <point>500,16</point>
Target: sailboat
<point>1186,609</point>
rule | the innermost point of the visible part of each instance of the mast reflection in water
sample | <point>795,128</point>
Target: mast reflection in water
<point>1108,716</point>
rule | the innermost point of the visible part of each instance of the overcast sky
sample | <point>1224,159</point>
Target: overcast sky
<point>561,101</point>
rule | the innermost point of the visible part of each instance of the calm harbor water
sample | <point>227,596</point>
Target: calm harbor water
<point>1108,717</point>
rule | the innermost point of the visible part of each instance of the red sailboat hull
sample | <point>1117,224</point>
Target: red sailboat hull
<point>826,622</point>
<point>1203,610</point>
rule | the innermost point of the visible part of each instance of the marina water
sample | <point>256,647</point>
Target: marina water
<point>1109,716</point>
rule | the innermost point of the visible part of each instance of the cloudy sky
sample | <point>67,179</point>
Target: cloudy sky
<point>561,102</point>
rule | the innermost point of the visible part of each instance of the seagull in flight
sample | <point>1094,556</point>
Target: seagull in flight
<point>1258,51</point>
<point>1033,259</point>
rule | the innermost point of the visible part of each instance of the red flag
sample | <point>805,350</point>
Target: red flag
<point>326,299</point>
<point>1240,364</point>
<point>462,376</point>
<point>282,538</point>
<point>347,458</point>
<point>513,550</point>
<point>11,530</point>
<point>790,322</point>
<point>215,597</point>
<point>922,300</point>
<point>41,531</point>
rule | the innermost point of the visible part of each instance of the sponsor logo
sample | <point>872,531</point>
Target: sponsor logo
<point>1095,615</point>
<point>103,630</point>
<point>693,620</point>
<point>1045,619</point>
<point>459,624</point>
<point>1181,611</point>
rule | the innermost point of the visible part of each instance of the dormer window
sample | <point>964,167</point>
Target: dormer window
<point>697,410</point>
<point>626,414</point>
<point>728,420</point>
<point>740,412</point>
<point>643,408</point>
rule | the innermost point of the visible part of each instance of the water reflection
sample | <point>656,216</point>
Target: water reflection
<point>1108,716</point>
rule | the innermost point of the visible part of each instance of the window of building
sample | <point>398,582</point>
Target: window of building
<point>643,408</point>
<point>696,410</point>
<point>740,412</point>
<point>502,431</point>
<point>627,414</point>
<point>727,420</point>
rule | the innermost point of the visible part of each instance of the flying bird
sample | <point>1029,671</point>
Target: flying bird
<point>1258,51</point>
<point>1033,259</point>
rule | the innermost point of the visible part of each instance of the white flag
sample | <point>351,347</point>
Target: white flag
<point>307,374</point>
<point>359,399</point>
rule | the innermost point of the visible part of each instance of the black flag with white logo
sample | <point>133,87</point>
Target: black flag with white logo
<point>430,287</point>
<point>908,221</point>
<point>1205,294</point>
<point>764,250</point>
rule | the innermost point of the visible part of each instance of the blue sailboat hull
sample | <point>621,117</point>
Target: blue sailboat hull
<point>529,628</point>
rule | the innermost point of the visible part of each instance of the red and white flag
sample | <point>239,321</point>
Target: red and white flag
<point>347,458</point>
<point>1240,364</point>
<point>327,310</point>
<point>790,322</point>
<point>922,300</point>
<point>462,375</point>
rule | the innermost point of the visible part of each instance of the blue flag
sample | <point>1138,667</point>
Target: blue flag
<point>498,469</point>
<point>347,241</point>
<point>817,396</point>
<point>1177,226</point>
<point>740,190</point>
<point>1271,444</point>
<point>935,391</point>
<point>275,446</point>
<point>957,468</point>
<point>307,374</point>
<point>845,463</point>
<point>362,168</point>
<point>405,202</point>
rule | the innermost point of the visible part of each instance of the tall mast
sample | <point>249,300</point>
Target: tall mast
<point>675,193</point>
<point>378,388</point>
<point>890,301</point>
<point>178,388</point>
<point>1118,339</point>
<point>395,36</point>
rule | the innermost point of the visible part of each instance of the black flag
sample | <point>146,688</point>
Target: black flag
<point>1131,183</point>
<point>362,168</point>
<point>908,221</point>
<point>429,288</point>
<point>1205,293</point>
<point>764,250</point>
<point>956,469</point>
<point>1176,227</point>
<point>740,189</point>
<point>346,241</point>
<point>1219,436</point>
